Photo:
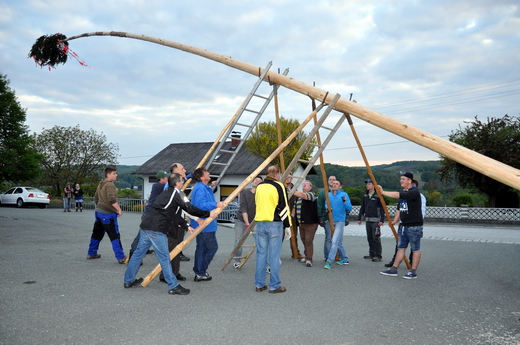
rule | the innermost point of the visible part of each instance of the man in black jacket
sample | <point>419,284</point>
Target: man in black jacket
<point>166,214</point>
<point>372,209</point>
<point>410,212</point>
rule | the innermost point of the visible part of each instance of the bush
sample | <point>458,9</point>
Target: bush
<point>128,193</point>
<point>355,201</point>
<point>462,199</point>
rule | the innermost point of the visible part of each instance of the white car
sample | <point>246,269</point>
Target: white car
<point>21,196</point>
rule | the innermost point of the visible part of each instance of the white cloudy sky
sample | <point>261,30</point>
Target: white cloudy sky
<point>430,64</point>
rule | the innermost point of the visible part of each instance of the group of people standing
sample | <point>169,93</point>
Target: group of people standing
<point>309,211</point>
<point>78,198</point>
<point>170,214</point>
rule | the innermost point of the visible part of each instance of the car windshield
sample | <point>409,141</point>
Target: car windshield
<point>34,190</point>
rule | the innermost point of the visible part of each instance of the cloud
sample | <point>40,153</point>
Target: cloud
<point>145,96</point>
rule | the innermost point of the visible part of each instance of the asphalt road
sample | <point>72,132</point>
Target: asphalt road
<point>467,292</point>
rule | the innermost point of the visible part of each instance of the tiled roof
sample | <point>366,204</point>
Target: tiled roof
<point>190,155</point>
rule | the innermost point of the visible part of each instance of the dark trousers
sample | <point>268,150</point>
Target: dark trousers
<point>106,223</point>
<point>374,239</point>
<point>173,240</point>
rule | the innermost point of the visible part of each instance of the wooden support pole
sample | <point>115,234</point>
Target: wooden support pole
<point>369,169</point>
<point>151,276</point>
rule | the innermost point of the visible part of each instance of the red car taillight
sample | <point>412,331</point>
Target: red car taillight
<point>31,195</point>
<point>48,196</point>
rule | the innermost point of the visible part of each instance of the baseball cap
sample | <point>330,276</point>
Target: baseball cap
<point>161,174</point>
<point>408,174</point>
<point>369,180</point>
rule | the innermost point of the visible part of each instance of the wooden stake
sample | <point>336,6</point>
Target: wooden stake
<point>151,276</point>
<point>369,169</point>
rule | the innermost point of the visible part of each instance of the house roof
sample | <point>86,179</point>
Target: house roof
<point>190,155</point>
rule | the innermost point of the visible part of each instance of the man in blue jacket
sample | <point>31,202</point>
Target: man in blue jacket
<point>341,207</point>
<point>207,246</point>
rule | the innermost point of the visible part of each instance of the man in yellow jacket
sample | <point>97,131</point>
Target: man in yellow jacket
<point>272,216</point>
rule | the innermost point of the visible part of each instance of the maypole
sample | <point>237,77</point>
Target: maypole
<point>48,47</point>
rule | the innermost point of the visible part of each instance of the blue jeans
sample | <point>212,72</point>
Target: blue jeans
<point>206,249</point>
<point>159,242</point>
<point>412,235</point>
<point>240,228</point>
<point>328,240</point>
<point>337,243</point>
<point>268,247</point>
<point>66,203</point>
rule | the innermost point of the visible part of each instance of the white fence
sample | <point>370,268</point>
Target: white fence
<point>462,214</point>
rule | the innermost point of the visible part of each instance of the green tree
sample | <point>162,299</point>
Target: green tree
<point>73,155</point>
<point>463,199</point>
<point>18,161</point>
<point>498,138</point>
<point>263,140</point>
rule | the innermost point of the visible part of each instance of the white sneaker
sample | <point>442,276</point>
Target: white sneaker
<point>308,264</point>
<point>236,264</point>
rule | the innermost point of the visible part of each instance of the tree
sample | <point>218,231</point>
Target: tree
<point>498,138</point>
<point>263,140</point>
<point>73,155</point>
<point>18,161</point>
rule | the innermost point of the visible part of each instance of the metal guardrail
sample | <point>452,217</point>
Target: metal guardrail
<point>433,213</point>
<point>460,214</point>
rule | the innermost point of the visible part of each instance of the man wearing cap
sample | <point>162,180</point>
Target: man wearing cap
<point>372,209</point>
<point>157,188</point>
<point>412,224</point>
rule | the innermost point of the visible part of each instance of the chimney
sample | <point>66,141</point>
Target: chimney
<point>235,142</point>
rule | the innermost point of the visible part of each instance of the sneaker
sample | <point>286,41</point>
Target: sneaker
<point>410,275</point>
<point>302,260</point>
<point>122,261</point>
<point>204,278</point>
<point>376,259</point>
<point>327,265</point>
<point>342,262</point>
<point>134,283</point>
<point>368,257</point>
<point>179,290</point>
<point>90,257</point>
<point>308,264</point>
<point>268,270</point>
<point>389,273</point>
<point>236,264</point>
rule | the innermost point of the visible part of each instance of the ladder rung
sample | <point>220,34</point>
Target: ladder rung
<point>219,163</point>
<point>303,161</point>
<point>330,129</point>
<point>242,124</point>
<point>227,151</point>
<point>252,111</point>
<point>260,96</point>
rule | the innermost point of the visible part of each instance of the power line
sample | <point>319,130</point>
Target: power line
<point>452,94</point>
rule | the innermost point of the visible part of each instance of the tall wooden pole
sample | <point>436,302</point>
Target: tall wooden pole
<point>485,165</point>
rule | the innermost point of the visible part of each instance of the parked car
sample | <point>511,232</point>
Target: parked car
<point>21,196</point>
<point>229,214</point>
